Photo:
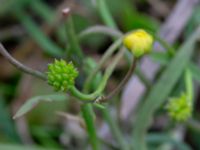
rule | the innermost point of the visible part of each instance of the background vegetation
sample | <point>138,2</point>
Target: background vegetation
<point>35,33</point>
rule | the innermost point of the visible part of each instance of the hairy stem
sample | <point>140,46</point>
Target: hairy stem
<point>20,66</point>
<point>90,97</point>
<point>105,57</point>
<point>123,82</point>
<point>88,116</point>
<point>100,29</point>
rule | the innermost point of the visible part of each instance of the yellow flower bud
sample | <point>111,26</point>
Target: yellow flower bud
<point>139,42</point>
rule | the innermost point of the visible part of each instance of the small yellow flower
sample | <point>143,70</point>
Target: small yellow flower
<point>139,42</point>
<point>180,108</point>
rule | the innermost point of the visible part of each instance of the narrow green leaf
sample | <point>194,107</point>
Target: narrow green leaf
<point>161,90</point>
<point>6,123</point>
<point>164,59</point>
<point>32,102</point>
<point>8,6</point>
<point>105,13</point>
<point>195,71</point>
<point>43,10</point>
<point>21,147</point>
<point>74,51</point>
<point>35,32</point>
<point>161,57</point>
<point>115,130</point>
<point>165,138</point>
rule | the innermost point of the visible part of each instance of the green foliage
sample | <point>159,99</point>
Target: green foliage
<point>57,36</point>
<point>34,101</point>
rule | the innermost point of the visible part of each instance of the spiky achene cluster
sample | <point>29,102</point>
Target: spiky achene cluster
<point>139,42</point>
<point>61,75</point>
<point>180,108</point>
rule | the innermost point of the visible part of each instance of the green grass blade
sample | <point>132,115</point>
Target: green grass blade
<point>195,71</point>
<point>115,130</point>
<point>105,14</point>
<point>165,138</point>
<point>35,32</point>
<point>21,147</point>
<point>164,59</point>
<point>8,5</point>
<point>6,123</point>
<point>43,10</point>
<point>74,51</point>
<point>161,90</point>
<point>32,102</point>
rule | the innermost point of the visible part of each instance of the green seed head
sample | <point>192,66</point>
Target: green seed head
<point>180,108</point>
<point>61,75</point>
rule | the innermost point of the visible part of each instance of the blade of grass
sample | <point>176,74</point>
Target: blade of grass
<point>32,102</point>
<point>47,45</point>
<point>105,13</point>
<point>8,5</point>
<point>195,71</point>
<point>73,50</point>
<point>164,138</point>
<point>50,16</point>
<point>6,124</point>
<point>43,10</point>
<point>161,90</point>
<point>116,132</point>
<point>21,147</point>
<point>164,59</point>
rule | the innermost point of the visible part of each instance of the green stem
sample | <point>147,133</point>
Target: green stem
<point>86,109</point>
<point>124,80</point>
<point>90,97</point>
<point>115,130</point>
<point>84,97</point>
<point>121,84</point>
<point>105,14</point>
<point>105,57</point>
<point>20,66</point>
<point>189,84</point>
<point>74,51</point>
<point>88,116</point>
<point>102,30</point>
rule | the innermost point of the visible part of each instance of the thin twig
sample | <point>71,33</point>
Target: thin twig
<point>122,83</point>
<point>20,66</point>
<point>107,54</point>
<point>100,29</point>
